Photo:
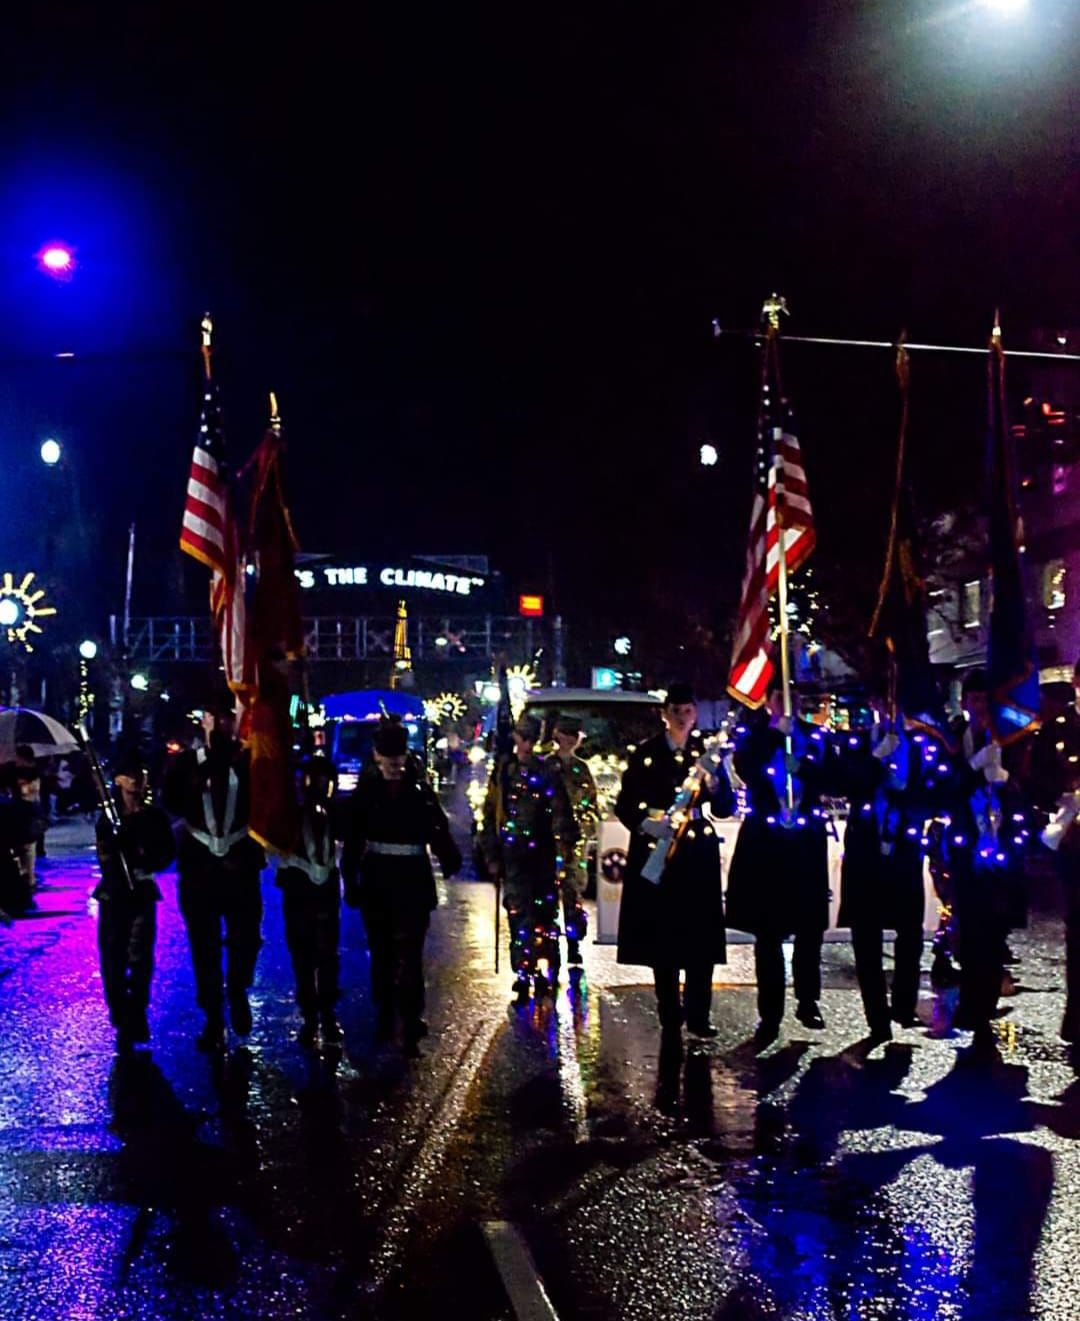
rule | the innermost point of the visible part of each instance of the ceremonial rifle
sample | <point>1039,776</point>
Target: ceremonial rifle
<point>105,798</point>
<point>671,828</point>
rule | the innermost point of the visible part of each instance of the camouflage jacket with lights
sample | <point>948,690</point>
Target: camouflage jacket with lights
<point>581,791</point>
<point>528,824</point>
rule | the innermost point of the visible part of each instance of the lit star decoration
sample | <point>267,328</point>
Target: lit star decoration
<point>21,607</point>
<point>444,708</point>
<point>520,679</point>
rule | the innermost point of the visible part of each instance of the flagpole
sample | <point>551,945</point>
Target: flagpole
<point>207,327</point>
<point>770,314</point>
<point>1045,355</point>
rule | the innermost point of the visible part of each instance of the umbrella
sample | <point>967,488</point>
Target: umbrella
<point>43,735</point>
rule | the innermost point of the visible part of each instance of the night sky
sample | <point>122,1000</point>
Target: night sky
<point>477,253</point>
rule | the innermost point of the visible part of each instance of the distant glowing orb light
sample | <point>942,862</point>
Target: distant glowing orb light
<point>88,649</point>
<point>9,612</point>
<point>708,455</point>
<point>50,452</point>
<point>140,683</point>
<point>57,260</point>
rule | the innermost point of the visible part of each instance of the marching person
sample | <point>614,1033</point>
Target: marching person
<point>676,921</point>
<point>1056,782</point>
<point>581,791</point>
<point>209,788</point>
<point>311,901</point>
<point>881,877</point>
<point>394,818</point>
<point>527,839</point>
<point>128,897</point>
<point>986,843</point>
<point>779,881</point>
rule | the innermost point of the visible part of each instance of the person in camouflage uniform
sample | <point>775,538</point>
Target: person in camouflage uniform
<point>581,791</point>
<point>527,839</point>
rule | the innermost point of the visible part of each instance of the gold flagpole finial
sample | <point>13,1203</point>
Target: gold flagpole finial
<point>772,309</point>
<point>206,325</point>
<point>995,334</point>
<point>275,416</point>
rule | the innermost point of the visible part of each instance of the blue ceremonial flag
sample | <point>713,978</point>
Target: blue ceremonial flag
<point>1011,669</point>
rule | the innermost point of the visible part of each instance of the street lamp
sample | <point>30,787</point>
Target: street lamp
<point>50,452</point>
<point>57,260</point>
<point>88,649</point>
<point>708,455</point>
<point>140,682</point>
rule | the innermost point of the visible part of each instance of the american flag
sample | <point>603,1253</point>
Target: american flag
<point>779,485</point>
<point>209,533</point>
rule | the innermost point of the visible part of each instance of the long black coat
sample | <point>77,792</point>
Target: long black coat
<point>679,922</point>
<point>779,880</point>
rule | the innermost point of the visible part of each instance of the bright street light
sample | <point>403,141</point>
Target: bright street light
<point>50,452</point>
<point>708,455</point>
<point>9,612</point>
<point>57,260</point>
<point>140,682</point>
<point>88,649</point>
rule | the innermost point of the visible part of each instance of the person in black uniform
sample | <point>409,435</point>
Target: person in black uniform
<point>1055,779</point>
<point>210,790</point>
<point>676,922</point>
<point>885,772</point>
<point>986,842</point>
<point>393,818</point>
<point>127,899</point>
<point>311,900</point>
<point>779,881</point>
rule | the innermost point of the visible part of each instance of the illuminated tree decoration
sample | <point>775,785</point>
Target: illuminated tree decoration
<point>444,708</point>
<point>21,606</point>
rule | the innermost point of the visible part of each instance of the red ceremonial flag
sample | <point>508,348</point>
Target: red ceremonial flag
<point>781,498</point>
<point>209,533</point>
<point>277,637</point>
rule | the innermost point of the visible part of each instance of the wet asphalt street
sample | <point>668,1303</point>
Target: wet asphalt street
<point>818,1180</point>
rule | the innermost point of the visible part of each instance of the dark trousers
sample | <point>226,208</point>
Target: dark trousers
<point>982,928</point>
<point>396,946</point>
<point>697,995</point>
<point>769,968</point>
<point>312,931</point>
<point>866,940</point>
<point>127,926</point>
<point>212,899</point>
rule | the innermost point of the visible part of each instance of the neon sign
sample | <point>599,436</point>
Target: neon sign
<point>360,575</point>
